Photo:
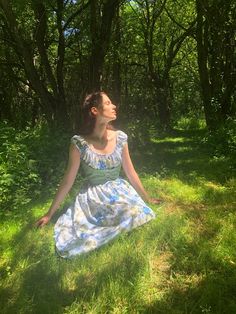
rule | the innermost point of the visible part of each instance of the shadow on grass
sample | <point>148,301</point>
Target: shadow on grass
<point>212,295</point>
<point>182,154</point>
<point>202,272</point>
<point>202,285</point>
<point>40,286</point>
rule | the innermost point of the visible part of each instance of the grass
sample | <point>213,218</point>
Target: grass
<point>182,262</point>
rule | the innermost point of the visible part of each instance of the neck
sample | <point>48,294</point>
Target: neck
<point>100,131</point>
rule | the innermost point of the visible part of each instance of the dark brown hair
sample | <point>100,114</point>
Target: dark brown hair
<point>88,119</point>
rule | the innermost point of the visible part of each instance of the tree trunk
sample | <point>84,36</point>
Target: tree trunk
<point>116,79</point>
<point>202,43</point>
<point>101,26</point>
<point>163,104</point>
<point>215,37</point>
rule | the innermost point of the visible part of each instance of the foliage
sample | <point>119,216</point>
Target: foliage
<point>223,141</point>
<point>144,54</point>
<point>47,74</point>
<point>190,123</point>
<point>29,159</point>
<point>215,37</point>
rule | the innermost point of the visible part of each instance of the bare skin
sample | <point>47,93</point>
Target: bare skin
<point>102,141</point>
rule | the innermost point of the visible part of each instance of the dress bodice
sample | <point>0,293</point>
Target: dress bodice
<point>99,168</point>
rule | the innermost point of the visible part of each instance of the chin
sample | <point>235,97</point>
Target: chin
<point>112,118</point>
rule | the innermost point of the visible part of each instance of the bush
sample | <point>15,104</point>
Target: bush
<point>139,133</point>
<point>29,160</point>
<point>223,140</point>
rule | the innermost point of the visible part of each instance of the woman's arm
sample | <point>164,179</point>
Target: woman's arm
<point>65,185</point>
<point>133,176</point>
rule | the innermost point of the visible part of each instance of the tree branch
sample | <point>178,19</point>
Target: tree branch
<point>79,11</point>
<point>40,33</point>
<point>174,20</point>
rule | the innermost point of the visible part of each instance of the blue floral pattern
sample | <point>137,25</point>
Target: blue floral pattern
<point>100,212</point>
<point>101,165</point>
<point>113,199</point>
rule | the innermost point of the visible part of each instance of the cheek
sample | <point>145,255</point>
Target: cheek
<point>101,110</point>
<point>105,110</point>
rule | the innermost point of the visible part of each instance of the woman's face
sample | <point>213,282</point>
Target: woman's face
<point>108,110</point>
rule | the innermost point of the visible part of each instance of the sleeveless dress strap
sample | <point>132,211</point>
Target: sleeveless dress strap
<point>121,139</point>
<point>79,142</point>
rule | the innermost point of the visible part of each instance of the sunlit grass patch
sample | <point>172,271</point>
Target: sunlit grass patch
<point>170,140</point>
<point>172,189</point>
<point>152,283</point>
<point>225,242</point>
<point>191,123</point>
<point>197,190</point>
<point>8,230</point>
<point>216,193</point>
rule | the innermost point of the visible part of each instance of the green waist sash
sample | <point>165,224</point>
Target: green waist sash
<point>99,176</point>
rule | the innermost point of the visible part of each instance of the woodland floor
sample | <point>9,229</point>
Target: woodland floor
<point>184,261</point>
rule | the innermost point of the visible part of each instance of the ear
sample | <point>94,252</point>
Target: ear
<point>94,111</point>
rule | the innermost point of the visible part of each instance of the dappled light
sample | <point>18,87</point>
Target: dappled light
<point>162,73</point>
<point>181,260</point>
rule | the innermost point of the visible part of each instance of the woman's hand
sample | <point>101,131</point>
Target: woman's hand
<point>155,201</point>
<point>42,221</point>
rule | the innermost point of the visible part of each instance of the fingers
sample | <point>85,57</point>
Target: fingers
<point>41,222</point>
<point>38,224</point>
<point>156,201</point>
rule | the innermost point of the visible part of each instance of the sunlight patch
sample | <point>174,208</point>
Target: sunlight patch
<point>170,139</point>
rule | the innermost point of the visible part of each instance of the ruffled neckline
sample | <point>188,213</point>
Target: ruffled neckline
<point>84,142</point>
<point>98,160</point>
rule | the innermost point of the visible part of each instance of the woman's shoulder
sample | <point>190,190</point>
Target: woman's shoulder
<point>122,134</point>
<point>122,138</point>
<point>77,138</point>
<point>78,141</point>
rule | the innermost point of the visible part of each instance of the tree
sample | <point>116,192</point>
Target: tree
<point>216,58</point>
<point>41,43</point>
<point>163,38</point>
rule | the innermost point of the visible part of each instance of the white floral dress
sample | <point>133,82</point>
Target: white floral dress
<point>105,206</point>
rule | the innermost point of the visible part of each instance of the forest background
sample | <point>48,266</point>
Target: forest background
<point>164,63</point>
<point>168,65</point>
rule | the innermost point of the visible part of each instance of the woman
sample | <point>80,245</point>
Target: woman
<point>106,204</point>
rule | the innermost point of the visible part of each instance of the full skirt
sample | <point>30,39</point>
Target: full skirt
<point>99,214</point>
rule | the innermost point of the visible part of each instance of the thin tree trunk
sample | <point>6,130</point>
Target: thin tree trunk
<point>202,43</point>
<point>116,84</point>
<point>163,104</point>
